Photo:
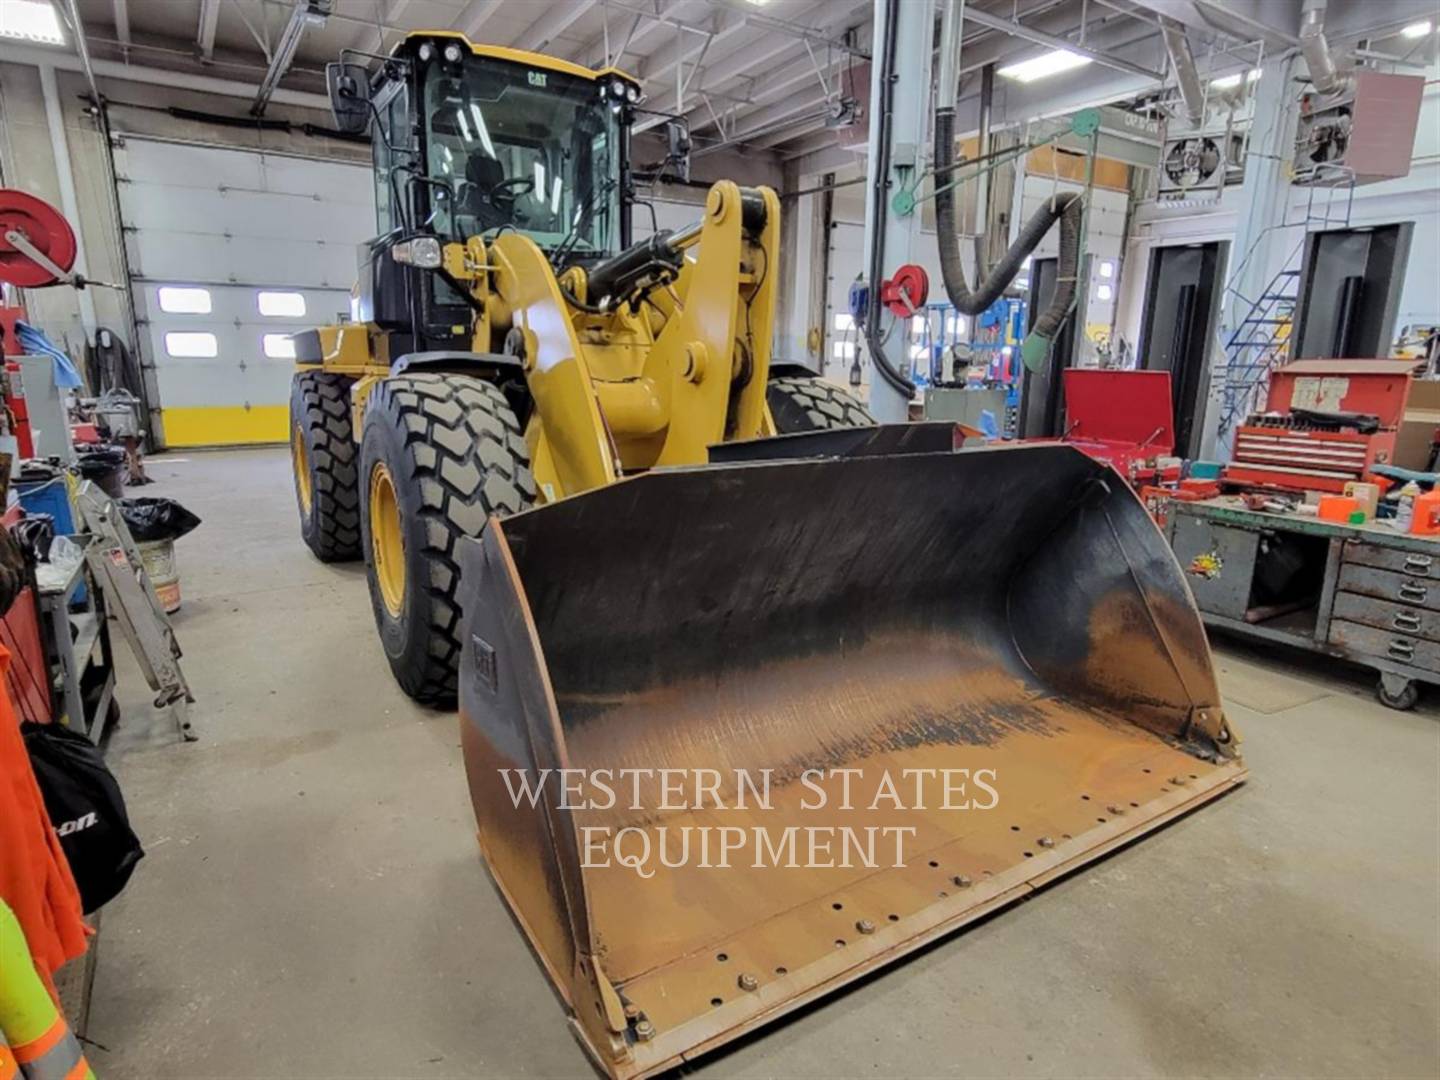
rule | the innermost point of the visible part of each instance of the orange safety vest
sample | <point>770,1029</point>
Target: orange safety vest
<point>33,1033</point>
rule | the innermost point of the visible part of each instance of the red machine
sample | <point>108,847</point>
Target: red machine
<point>1326,423</point>
<point>1123,418</point>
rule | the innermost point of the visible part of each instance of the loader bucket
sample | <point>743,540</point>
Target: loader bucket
<point>811,624</point>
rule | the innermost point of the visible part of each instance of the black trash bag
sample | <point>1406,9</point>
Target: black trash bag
<point>156,519</point>
<point>105,467</point>
<point>86,810</point>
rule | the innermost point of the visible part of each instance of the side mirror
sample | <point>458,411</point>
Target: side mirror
<point>349,86</point>
<point>677,147</point>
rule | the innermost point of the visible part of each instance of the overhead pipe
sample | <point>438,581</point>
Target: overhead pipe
<point>1182,62</point>
<point>1316,50</point>
<point>1067,208</point>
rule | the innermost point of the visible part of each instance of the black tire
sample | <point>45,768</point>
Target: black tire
<point>1406,699</point>
<point>803,403</point>
<point>454,453</point>
<point>320,423</point>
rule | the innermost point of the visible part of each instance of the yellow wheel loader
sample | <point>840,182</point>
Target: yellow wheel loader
<point>848,688</point>
<point>510,346</point>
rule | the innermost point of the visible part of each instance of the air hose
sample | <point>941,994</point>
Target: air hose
<point>874,341</point>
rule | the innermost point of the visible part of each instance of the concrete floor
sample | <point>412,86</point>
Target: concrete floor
<point>312,904</point>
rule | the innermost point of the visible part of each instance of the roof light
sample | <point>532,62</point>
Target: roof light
<point>452,53</point>
<point>1416,30</point>
<point>30,20</point>
<point>426,52</point>
<point>632,95</point>
<point>1041,67</point>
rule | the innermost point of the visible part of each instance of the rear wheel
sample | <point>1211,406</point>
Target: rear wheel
<point>322,456</point>
<point>803,403</point>
<point>440,454</point>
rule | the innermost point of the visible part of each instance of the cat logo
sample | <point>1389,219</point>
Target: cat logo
<point>537,78</point>
<point>67,827</point>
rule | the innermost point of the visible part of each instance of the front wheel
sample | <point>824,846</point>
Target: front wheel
<point>440,454</point>
<point>1397,692</point>
<point>322,457</point>
<point>804,403</point>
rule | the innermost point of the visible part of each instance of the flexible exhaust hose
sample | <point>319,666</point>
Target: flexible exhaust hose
<point>1067,207</point>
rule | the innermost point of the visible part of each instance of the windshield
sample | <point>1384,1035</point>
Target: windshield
<point>531,149</point>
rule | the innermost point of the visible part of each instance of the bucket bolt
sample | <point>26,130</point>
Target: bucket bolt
<point>1114,808</point>
<point>961,880</point>
<point>865,926</point>
<point>1177,780</point>
<point>748,981</point>
<point>1045,841</point>
<point>644,1030</point>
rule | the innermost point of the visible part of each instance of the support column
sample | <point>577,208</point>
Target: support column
<point>69,203</point>
<point>1260,230</point>
<point>899,237</point>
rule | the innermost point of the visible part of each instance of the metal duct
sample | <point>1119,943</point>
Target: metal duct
<point>1182,62</point>
<point>1316,49</point>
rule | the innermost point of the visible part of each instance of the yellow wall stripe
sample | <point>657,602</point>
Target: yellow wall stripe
<point>226,425</point>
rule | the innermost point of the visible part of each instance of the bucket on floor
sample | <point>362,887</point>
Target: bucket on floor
<point>159,559</point>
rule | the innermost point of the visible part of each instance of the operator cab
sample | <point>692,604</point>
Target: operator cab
<point>471,140</point>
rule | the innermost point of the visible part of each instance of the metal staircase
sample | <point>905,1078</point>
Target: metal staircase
<point>1256,346</point>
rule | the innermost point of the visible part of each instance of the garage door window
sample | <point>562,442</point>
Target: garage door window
<point>279,347</point>
<point>182,300</point>
<point>283,305</point>
<point>186,343</point>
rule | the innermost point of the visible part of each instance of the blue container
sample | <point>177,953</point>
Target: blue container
<point>51,497</point>
<point>48,497</point>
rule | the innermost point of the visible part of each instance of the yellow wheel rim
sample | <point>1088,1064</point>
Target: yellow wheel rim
<point>386,543</point>
<point>301,461</point>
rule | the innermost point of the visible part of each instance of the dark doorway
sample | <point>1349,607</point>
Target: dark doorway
<point>1182,302</point>
<point>1042,406</point>
<point>1350,282</point>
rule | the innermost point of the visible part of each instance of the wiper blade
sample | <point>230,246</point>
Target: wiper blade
<point>566,247</point>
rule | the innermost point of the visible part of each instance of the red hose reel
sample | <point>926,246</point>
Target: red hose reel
<point>31,227</point>
<point>906,292</point>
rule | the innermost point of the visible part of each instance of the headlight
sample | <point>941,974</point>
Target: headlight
<point>452,53</point>
<point>632,95</point>
<point>422,251</point>
<point>617,88</point>
<point>426,52</point>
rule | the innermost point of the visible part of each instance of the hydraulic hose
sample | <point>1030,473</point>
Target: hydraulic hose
<point>873,339</point>
<point>1066,207</point>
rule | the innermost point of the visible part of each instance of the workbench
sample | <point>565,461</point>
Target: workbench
<point>1364,593</point>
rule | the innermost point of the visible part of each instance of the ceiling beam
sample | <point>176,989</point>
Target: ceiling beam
<point>139,73</point>
<point>474,16</point>
<point>554,21</point>
<point>304,14</point>
<point>1040,37</point>
<point>205,32</point>
<point>122,21</point>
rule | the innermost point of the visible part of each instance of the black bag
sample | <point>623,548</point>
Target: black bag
<point>86,809</point>
<point>156,519</point>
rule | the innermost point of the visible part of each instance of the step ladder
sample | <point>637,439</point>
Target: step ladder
<point>115,561</point>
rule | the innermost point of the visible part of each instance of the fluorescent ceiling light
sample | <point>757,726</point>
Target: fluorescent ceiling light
<point>1416,30</point>
<point>1052,63</point>
<point>30,20</point>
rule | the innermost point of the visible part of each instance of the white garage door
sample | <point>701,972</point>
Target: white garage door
<point>231,251</point>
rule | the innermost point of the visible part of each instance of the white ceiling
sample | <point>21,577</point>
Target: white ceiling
<point>757,73</point>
